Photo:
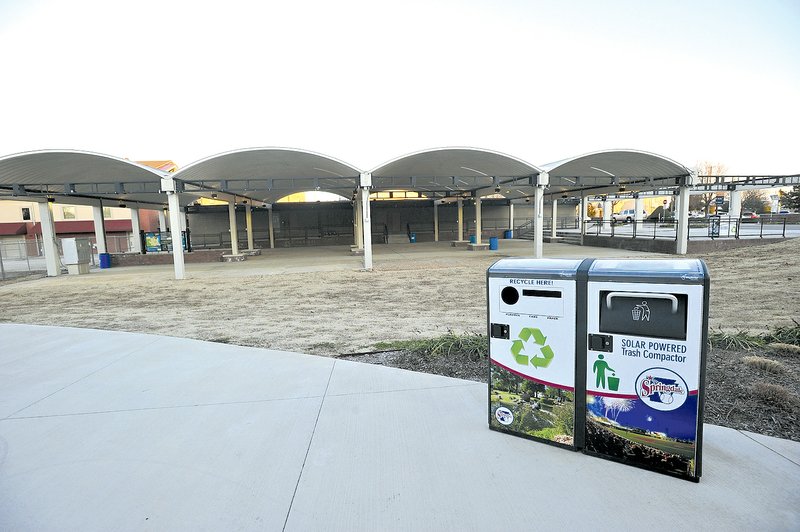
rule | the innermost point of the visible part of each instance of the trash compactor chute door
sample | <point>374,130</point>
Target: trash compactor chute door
<point>645,368</point>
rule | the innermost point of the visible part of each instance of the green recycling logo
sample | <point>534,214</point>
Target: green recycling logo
<point>539,339</point>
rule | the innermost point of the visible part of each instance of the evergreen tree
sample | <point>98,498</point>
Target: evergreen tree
<point>791,199</point>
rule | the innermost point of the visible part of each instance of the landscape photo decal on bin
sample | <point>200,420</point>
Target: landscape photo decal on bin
<point>526,406</point>
<point>656,428</point>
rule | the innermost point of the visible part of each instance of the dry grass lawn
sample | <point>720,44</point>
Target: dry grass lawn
<point>341,311</point>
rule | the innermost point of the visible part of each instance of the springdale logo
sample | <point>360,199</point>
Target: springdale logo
<point>661,389</point>
<point>504,416</point>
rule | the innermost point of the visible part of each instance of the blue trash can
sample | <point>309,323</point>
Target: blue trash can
<point>472,239</point>
<point>105,260</point>
<point>493,243</point>
<point>507,234</point>
<point>412,237</point>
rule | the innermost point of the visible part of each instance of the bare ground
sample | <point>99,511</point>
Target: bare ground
<point>345,311</point>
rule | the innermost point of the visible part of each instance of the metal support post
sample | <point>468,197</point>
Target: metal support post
<point>99,228</point>
<point>554,219</point>
<point>49,245</point>
<point>248,216</point>
<point>538,221</point>
<point>136,229</point>
<point>271,228</point>
<point>477,219</point>
<point>233,229</point>
<point>177,245</point>
<point>366,223</point>
<point>682,235</point>
<point>460,219</point>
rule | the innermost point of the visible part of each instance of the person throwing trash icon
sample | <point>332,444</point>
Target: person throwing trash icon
<point>600,366</point>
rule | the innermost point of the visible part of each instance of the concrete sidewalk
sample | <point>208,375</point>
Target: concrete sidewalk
<point>117,431</point>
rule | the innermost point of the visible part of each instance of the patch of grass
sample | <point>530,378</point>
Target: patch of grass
<point>472,346</point>
<point>744,341</point>
<point>323,346</point>
<point>766,364</point>
<point>738,341</point>
<point>785,335</point>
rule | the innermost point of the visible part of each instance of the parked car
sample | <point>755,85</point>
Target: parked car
<point>626,216</point>
<point>749,217</point>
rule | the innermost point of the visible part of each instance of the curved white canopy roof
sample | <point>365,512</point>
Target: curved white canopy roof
<point>271,173</point>
<point>452,169</point>
<point>80,174</point>
<point>605,171</point>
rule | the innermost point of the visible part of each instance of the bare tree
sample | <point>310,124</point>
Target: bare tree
<point>707,173</point>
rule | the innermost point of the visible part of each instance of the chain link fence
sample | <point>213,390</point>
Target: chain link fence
<point>21,257</point>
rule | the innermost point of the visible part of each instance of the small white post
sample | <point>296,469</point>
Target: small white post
<point>51,257</point>
<point>248,216</point>
<point>735,204</point>
<point>99,228</point>
<point>233,229</point>
<point>554,219</point>
<point>511,217</point>
<point>477,219</point>
<point>271,228</point>
<point>638,206</point>
<point>162,221</point>
<point>136,228</point>
<point>607,208</point>
<point>460,219</point>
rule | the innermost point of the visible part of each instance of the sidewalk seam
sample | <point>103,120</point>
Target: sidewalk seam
<point>84,377</point>
<point>767,447</point>
<point>308,449</point>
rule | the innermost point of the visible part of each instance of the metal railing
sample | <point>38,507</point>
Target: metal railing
<point>713,227</point>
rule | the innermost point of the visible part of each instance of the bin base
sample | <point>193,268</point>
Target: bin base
<point>478,247</point>
<point>239,257</point>
<point>459,243</point>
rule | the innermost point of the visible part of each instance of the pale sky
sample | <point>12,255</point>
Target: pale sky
<point>367,81</point>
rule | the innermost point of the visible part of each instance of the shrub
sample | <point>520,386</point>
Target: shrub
<point>774,394</point>
<point>766,364</point>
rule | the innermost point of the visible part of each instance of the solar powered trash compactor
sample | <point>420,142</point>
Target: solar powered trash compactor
<point>607,356</point>
<point>532,337</point>
<point>647,331</point>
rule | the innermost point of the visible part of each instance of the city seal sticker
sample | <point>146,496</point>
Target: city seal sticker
<point>504,416</point>
<point>661,389</point>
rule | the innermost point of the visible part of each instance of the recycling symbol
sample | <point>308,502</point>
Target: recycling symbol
<point>539,339</point>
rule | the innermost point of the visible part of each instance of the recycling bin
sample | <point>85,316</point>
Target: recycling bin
<point>412,237</point>
<point>105,260</point>
<point>493,243</point>
<point>508,233</point>
<point>645,349</point>
<point>533,333</point>
<point>472,239</point>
